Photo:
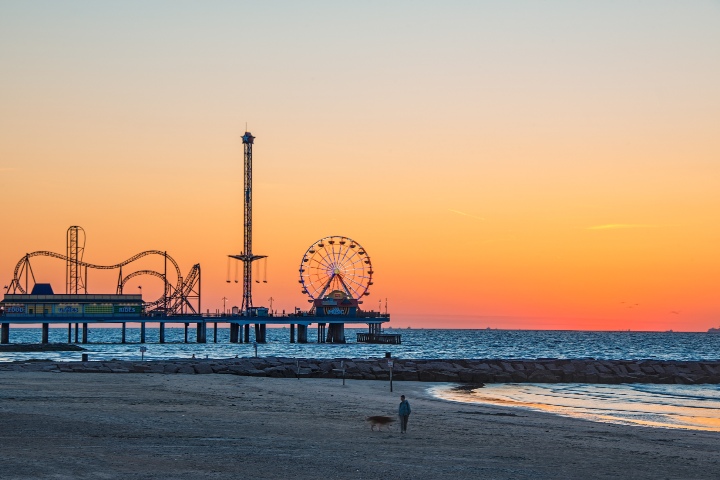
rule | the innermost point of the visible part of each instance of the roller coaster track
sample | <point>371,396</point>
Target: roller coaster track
<point>18,286</point>
<point>171,301</point>
<point>168,288</point>
<point>175,300</point>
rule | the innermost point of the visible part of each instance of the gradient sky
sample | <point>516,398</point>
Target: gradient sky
<point>505,164</point>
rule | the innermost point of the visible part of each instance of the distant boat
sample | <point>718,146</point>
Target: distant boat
<point>713,330</point>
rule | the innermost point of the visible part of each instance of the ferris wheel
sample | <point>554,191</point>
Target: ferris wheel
<point>336,263</point>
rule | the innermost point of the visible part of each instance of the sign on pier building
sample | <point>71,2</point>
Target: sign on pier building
<point>335,304</point>
<point>50,306</point>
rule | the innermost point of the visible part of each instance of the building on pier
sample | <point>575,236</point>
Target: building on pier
<point>30,308</point>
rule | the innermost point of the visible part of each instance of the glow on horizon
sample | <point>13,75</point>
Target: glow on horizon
<point>516,165</point>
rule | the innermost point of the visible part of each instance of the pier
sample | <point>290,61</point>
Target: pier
<point>335,272</point>
<point>80,311</point>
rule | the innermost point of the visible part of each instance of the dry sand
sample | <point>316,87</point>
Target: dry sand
<point>115,426</point>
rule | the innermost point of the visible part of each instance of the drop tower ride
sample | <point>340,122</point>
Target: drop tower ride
<point>246,256</point>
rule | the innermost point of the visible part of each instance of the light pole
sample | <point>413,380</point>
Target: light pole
<point>224,299</point>
<point>140,288</point>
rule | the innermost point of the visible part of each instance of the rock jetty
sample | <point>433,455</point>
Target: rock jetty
<point>463,371</point>
<point>40,347</point>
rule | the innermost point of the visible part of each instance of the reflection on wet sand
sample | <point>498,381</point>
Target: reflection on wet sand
<point>693,407</point>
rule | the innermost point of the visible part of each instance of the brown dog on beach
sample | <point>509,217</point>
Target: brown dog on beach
<point>380,421</point>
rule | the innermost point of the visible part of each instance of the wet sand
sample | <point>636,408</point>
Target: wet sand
<point>122,426</point>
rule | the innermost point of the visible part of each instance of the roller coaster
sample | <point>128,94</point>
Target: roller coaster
<point>180,299</point>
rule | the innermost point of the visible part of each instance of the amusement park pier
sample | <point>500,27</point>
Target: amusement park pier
<point>335,273</point>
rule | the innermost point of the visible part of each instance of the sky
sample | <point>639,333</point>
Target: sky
<point>516,164</point>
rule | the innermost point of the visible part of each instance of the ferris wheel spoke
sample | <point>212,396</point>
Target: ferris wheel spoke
<point>345,254</point>
<point>322,258</point>
<point>337,254</point>
<point>352,256</point>
<point>359,284</point>
<point>321,267</point>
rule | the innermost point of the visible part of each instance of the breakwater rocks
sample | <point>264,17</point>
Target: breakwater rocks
<point>40,347</point>
<point>464,371</point>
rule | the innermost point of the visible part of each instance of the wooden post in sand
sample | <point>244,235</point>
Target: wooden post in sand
<point>390,365</point>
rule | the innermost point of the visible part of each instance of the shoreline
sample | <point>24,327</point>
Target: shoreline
<point>471,371</point>
<point>223,426</point>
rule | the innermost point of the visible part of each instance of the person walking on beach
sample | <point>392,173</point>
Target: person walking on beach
<point>403,413</point>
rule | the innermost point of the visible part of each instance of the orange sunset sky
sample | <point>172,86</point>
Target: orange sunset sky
<point>535,165</point>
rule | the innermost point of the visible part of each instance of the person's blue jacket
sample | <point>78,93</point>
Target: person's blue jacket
<point>404,408</point>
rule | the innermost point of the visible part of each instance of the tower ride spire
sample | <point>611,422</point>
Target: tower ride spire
<point>246,256</point>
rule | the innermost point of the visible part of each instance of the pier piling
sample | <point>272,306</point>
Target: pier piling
<point>201,329</point>
<point>302,333</point>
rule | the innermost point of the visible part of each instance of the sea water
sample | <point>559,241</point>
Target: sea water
<point>692,407</point>
<point>104,344</point>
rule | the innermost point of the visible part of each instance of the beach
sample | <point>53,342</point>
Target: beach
<point>132,426</point>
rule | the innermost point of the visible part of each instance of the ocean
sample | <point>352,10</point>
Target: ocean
<point>104,344</point>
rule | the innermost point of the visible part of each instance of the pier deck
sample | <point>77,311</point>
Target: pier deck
<point>237,323</point>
